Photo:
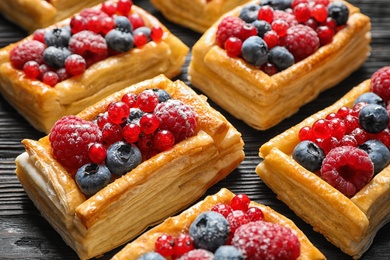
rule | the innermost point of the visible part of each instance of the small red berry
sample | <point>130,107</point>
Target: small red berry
<point>156,33</point>
<point>39,35</point>
<point>109,7</point>
<point>140,39</point>
<point>118,112</point>
<point>223,209</point>
<point>247,30</point>
<point>111,133</point>
<point>136,20</point>
<point>320,12</point>
<point>145,142</point>
<point>131,133</point>
<point>149,123</point>
<point>325,34</point>
<point>280,27</point>
<point>236,219</point>
<point>164,245</point>
<point>31,69</point>
<point>305,133</point>
<point>269,68</point>
<point>50,78</point>
<point>102,119</point>
<point>130,99</point>
<point>240,202</point>
<point>97,152</point>
<point>302,12</point>
<point>163,140</point>
<point>271,38</point>
<point>75,64</point>
<point>266,13</point>
<point>255,214</point>
<point>321,129</point>
<point>233,46</point>
<point>183,244</point>
<point>147,100</point>
<point>124,6</point>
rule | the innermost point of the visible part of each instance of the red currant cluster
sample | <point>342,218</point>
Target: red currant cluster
<point>341,129</point>
<point>237,212</point>
<point>56,54</point>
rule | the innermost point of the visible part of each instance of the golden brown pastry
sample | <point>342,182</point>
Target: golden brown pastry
<point>263,101</point>
<point>155,189</point>
<point>349,223</point>
<point>42,105</point>
<point>35,14</point>
<point>180,224</point>
<point>197,15</point>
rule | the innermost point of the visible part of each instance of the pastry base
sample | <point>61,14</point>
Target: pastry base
<point>181,223</point>
<point>263,101</point>
<point>197,15</point>
<point>35,14</point>
<point>42,105</point>
<point>350,224</point>
<point>156,189</point>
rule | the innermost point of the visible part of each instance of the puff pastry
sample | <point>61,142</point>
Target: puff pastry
<point>154,190</point>
<point>180,223</point>
<point>42,105</point>
<point>350,224</point>
<point>34,14</point>
<point>263,101</point>
<point>197,15</point>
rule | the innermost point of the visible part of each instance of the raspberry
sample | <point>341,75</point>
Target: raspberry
<point>266,240</point>
<point>177,117</point>
<point>229,26</point>
<point>27,51</point>
<point>289,18</point>
<point>380,83</point>
<point>348,169</point>
<point>197,254</point>
<point>70,138</point>
<point>301,41</point>
<point>91,46</point>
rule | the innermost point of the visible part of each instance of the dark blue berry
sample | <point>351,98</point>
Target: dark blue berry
<point>373,118</point>
<point>281,57</point>
<point>122,157</point>
<point>92,177</point>
<point>255,51</point>
<point>58,37</point>
<point>55,56</point>
<point>120,41</point>
<point>339,12</point>
<point>209,230</point>
<point>277,4</point>
<point>262,27</point>
<point>162,95</point>
<point>135,115</point>
<point>228,253</point>
<point>378,152</point>
<point>151,256</point>
<point>309,155</point>
<point>370,98</point>
<point>249,13</point>
<point>122,23</point>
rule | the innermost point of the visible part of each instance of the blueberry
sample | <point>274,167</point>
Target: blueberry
<point>162,95</point>
<point>277,4</point>
<point>120,41</point>
<point>58,37</point>
<point>281,57</point>
<point>339,12</point>
<point>373,118</point>
<point>378,152</point>
<point>143,29</point>
<point>309,155</point>
<point>122,23</point>
<point>249,13</point>
<point>209,230</point>
<point>151,256</point>
<point>55,56</point>
<point>255,51</point>
<point>370,98</point>
<point>135,115</point>
<point>92,177</point>
<point>262,27</point>
<point>228,253</point>
<point>122,157</point>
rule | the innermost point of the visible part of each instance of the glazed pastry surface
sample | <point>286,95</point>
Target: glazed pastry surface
<point>349,223</point>
<point>43,105</point>
<point>181,223</point>
<point>154,190</point>
<point>264,100</point>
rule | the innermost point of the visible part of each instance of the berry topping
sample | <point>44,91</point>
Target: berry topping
<point>373,118</point>
<point>339,12</point>
<point>348,169</point>
<point>249,13</point>
<point>91,46</point>
<point>70,138</point>
<point>92,177</point>
<point>281,57</point>
<point>380,83</point>
<point>55,56</point>
<point>177,117</point>
<point>309,155</point>
<point>151,256</point>
<point>229,27</point>
<point>255,51</point>
<point>302,41</point>
<point>228,252</point>
<point>27,51</point>
<point>378,152</point>
<point>58,37</point>
<point>164,245</point>
<point>75,64</point>
<point>197,254</point>
<point>209,230</point>
<point>123,157</point>
<point>266,240</point>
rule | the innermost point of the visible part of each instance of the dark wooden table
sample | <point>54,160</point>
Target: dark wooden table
<point>25,234</point>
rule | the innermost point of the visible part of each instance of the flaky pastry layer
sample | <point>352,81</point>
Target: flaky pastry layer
<point>197,15</point>
<point>181,223</point>
<point>350,224</point>
<point>35,14</point>
<point>157,188</point>
<point>263,101</point>
<point>42,105</point>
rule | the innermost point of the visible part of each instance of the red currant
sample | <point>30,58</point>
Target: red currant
<point>106,25</point>
<point>280,27</point>
<point>236,219</point>
<point>348,140</point>
<point>50,78</point>
<point>233,46</point>
<point>102,119</point>
<point>130,99</point>
<point>62,74</point>
<point>321,129</point>
<point>145,142</point>
<point>312,23</point>
<point>183,244</point>
<point>118,112</point>
<point>136,20</point>
<point>294,3</point>
<point>255,214</point>
<point>109,8</point>
<point>305,133</point>
<point>156,33</point>
<point>147,100</point>
<point>75,64</point>
<point>111,133</point>
<point>240,202</point>
<point>124,6</point>
<point>360,135</point>
<point>266,13</point>
<point>247,30</point>
<point>131,132</point>
<point>149,123</point>
<point>269,69</point>
<point>164,245</point>
<point>223,209</point>
<point>325,34</point>
<point>97,152</point>
<point>343,112</point>
<point>302,12</point>
<point>31,69</point>
<point>319,12</point>
<point>271,38</point>
<point>140,39</point>
<point>163,140</point>
<point>39,35</point>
